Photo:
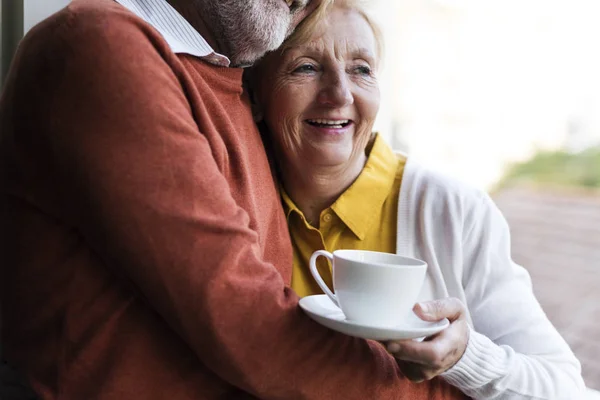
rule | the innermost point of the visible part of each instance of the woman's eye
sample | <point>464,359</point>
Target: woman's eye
<point>305,68</point>
<point>362,70</point>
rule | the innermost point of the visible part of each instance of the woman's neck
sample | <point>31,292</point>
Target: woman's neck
<point>315,188</point>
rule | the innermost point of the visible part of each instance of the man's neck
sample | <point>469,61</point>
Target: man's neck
<point>193,12</point>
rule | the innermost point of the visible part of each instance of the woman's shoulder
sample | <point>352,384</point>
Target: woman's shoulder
<point>427,186</point>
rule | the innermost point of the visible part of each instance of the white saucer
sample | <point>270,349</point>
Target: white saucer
<point>321,309</point>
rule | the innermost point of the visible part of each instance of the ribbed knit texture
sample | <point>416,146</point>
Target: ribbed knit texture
<point>481,363</point>
<point>513,352</point>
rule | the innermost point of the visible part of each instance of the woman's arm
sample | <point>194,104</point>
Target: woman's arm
<point>514,352</point>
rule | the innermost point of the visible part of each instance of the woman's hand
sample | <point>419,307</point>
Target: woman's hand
<point>436,354</point>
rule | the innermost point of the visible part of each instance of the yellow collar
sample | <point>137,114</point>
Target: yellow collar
<point>358,205</point>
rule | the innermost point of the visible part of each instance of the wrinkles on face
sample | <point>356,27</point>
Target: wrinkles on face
<point>250,28</point>
<point>331,78</point>
<point>284,87</point>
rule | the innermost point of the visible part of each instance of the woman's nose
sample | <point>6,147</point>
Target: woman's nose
<point>336,91</point>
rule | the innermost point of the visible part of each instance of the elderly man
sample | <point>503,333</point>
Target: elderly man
<point>144,252</point>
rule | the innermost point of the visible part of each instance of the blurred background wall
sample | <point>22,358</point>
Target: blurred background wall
<point>487,83</point>
<point>17,17</point>
<point>36,10</point>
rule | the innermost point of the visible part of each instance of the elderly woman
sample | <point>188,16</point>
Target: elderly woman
<point>344,188</point>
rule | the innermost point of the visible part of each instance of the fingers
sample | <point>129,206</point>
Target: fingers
<point>436,354</point>
<point>413,371</point>
<point>416,372</point>
<point>433,352</point>
<point>425,360</point>
<point>436,348</point>
<point>436,310</point>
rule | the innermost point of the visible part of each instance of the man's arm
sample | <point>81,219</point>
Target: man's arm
<point>131,171</point>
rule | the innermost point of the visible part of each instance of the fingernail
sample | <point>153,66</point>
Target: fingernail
<point>424,308</point>
<point>393,347</point>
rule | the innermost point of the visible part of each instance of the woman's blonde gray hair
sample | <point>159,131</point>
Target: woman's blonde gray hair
<point>305,30</point>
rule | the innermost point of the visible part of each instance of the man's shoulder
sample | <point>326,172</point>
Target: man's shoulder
<point>98,27</point>
<point>88,45</point>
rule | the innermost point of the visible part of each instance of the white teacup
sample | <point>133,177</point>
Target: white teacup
<point>372,288</point>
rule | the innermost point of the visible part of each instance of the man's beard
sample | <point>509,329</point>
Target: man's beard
<point>248,29</point>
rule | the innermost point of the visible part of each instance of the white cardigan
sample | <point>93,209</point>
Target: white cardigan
<point>514,352</point>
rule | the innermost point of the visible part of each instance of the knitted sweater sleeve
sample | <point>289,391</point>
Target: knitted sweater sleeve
<point>143,188</point>
<point>514,352</point>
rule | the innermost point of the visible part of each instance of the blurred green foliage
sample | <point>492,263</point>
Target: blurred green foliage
<point>557,168</point>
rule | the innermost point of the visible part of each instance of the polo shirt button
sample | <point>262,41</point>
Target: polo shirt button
<point>327,217</point>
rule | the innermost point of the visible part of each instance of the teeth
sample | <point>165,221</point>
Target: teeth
<point>333,122</point>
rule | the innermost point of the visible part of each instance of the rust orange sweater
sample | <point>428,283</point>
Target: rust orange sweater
<point>144,252</point>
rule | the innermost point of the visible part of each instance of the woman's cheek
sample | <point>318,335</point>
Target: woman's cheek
<point>292,136</point>
<point>364,134</point>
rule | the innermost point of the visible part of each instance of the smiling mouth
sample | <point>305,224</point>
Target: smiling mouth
<point>329,123</point>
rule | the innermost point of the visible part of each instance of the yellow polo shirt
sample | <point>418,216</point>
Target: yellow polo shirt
<point>364,217</point>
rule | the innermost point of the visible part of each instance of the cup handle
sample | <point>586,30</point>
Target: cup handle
<point>317,276</point>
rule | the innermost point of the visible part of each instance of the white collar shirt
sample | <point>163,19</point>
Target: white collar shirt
<point>176,30</point>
